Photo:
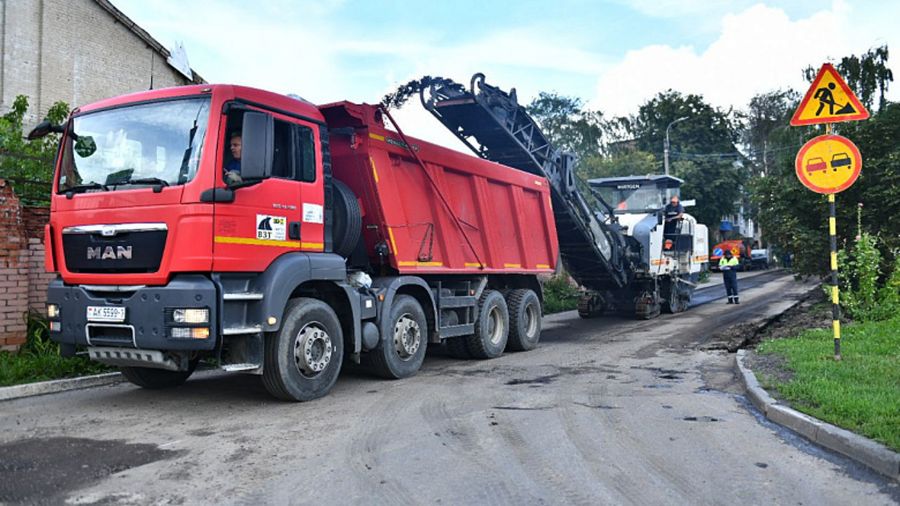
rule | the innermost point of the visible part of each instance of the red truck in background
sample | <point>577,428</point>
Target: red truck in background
<point>342,238</point>
<point>740,248</point>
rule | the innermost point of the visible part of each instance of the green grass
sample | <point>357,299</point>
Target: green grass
<point>39,358</point>
<point>25,367</point>
<point>861,393</point>
<point>560,295</point>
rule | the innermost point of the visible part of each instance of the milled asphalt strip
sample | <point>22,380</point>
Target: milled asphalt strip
<point>863,450</point>
<point>62,385</point>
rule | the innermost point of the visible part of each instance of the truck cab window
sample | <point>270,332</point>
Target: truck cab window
<point>306,169</point>
<point>282,162</point>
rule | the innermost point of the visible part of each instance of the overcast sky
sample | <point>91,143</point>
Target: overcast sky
<point>614,54</point>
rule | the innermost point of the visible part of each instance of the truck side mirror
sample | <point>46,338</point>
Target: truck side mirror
<point>43,129</point>
<point>257,145</point>
<point>659,218</point>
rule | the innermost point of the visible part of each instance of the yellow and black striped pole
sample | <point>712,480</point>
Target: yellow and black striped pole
<point>835,300</point>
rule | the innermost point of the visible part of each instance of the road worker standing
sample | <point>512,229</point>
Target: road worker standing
<point>728,264</point>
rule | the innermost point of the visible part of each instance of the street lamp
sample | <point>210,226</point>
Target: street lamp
<point>666,144</point>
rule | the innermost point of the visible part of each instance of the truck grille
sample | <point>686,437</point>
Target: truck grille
<point>124,248</point>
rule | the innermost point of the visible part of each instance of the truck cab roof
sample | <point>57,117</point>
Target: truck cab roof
<point>661,181</point>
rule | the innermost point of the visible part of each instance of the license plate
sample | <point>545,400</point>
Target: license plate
<point>106,314</point>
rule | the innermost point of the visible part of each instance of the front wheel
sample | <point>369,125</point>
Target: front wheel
<point>402,349</point>
<point>303,359</point>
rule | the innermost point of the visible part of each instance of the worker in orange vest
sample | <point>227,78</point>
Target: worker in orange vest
<point>728,264</point>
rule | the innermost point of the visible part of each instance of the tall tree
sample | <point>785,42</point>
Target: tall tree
<point>568,124</point>
<point>703,150</point>
<point>766,116</point>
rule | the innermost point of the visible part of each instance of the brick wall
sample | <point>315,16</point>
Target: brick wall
<point>23,282</point>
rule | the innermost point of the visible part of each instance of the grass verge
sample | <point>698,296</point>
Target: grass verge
<point>39,359</point>
<point>861,393</point>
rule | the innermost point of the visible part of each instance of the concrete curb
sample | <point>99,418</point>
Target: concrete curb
<point>874,455</point>
<point>55,386</point>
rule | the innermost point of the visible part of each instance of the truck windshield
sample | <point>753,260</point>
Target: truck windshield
<point>155,144</point>
<point>633,198</point>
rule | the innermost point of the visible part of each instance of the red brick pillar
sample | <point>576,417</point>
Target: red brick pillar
<point>34,219</point>
<point>13,270</point>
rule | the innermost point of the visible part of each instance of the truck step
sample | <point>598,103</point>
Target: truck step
<point>448,302</point>
<point>242,296</point>
<point>235,331</point>
<point>457,330</point>
<point>239,367</point>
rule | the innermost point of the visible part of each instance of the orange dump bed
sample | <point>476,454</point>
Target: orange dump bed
<point>456,214</point>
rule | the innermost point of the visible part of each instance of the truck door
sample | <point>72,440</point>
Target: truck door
<point>281,214</point>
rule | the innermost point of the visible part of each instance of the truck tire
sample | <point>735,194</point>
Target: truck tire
<point>303,359</point>
<point>157,379</point>
<point>524,319</point>
<point>402,349</point>
<point>491,326</point>
<point>347,219</point>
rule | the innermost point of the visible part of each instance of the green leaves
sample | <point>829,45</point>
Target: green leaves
<point>28,164</point>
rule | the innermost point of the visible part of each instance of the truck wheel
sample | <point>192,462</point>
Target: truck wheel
<point>491,326</point>
<point>347,219</point>
<point>157,379</point>
<point>303,359</point>
<point>524,319</point>
<point>402,349</point>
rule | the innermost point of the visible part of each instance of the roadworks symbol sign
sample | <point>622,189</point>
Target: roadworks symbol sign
<point>828,164</point>
<point>828,100</point>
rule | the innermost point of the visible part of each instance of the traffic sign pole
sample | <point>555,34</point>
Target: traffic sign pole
<point>835,297</point>
<point>835,291</point>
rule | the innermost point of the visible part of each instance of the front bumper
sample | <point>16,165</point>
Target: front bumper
<point>148,314</point>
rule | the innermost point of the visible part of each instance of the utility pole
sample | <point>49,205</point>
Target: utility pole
<point>666,143</point>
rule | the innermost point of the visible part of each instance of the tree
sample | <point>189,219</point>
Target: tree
<point>702,149</point>
<point>28,164</point>
<point>568,125</point>
<point>766,114</point>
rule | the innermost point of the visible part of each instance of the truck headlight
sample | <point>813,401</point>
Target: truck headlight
<point>190,315</point>
<point>52,311</point>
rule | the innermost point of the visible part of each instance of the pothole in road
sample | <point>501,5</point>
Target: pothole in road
<point>46,468</point>
<point>701,419</point>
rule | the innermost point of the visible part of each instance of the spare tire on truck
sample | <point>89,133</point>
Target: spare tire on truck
<point>347,219</point>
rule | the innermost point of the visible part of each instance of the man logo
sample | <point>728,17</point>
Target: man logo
<point>109,253</point>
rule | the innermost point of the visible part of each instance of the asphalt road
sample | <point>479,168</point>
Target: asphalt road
<point>605,411</point>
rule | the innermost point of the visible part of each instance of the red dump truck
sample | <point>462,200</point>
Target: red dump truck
<point>339,239</point>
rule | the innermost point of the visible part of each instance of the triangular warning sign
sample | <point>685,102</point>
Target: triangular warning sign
<point>828,100</point>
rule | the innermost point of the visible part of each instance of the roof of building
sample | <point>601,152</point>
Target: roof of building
<point>142,34</point>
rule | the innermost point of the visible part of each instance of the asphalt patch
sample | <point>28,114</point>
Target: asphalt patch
<point>44,470</point>
<point>701,419</point>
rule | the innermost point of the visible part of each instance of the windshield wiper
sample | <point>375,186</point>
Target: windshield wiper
<point>81,188</point>
<point>155,181</point>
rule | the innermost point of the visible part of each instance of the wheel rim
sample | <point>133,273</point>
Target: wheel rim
<point>312,349</point>
<point>531,320</point>
<point>407,336</point>
<point>495,325</point>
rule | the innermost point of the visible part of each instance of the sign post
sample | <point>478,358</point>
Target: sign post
<point>829,164</point>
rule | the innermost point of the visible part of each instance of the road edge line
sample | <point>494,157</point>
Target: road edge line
<point>872,454</point>
<point>61,385</point>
